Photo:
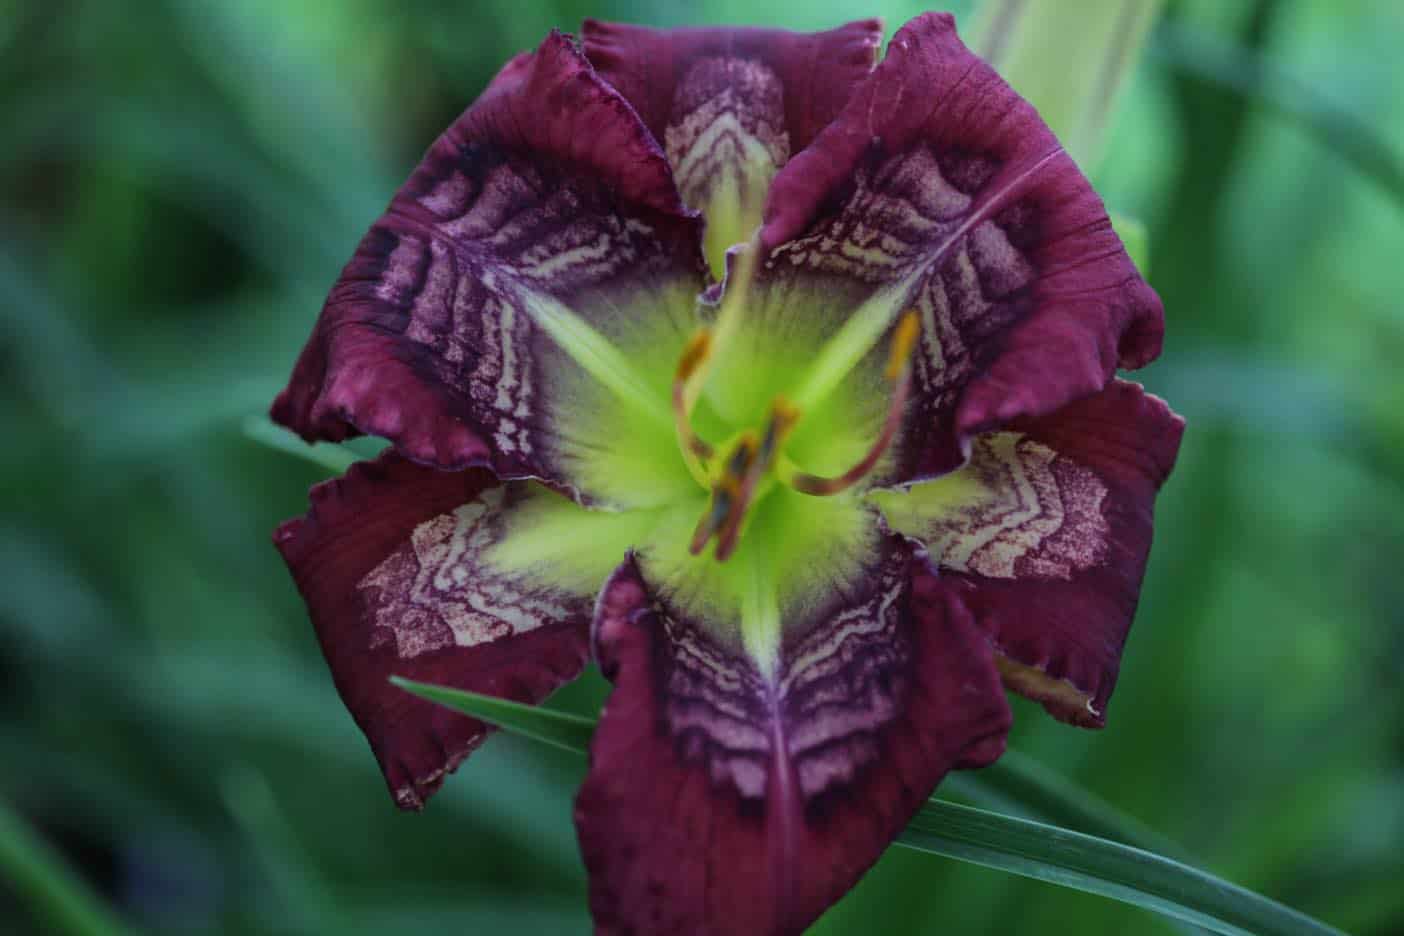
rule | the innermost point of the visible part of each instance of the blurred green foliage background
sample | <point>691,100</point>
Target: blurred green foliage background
<point>181,180</point>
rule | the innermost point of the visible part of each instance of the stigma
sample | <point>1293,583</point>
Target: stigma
<point>739,472</point>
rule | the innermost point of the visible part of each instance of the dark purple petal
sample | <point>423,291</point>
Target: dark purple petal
<point>731,105</point>
<point>666,73</point>
<point>547,194</point>
<point>1046,537</point>
<point>387,560</point>
<point>720,799</point>
<point>939,188</point>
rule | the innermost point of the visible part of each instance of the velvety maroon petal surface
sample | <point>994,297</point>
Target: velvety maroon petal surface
<point>388,562</point>
<point>722,800</point>
<point>731,105</point>
<point>939,188</point>
<point>548,193</point>
<point>1050,561</point>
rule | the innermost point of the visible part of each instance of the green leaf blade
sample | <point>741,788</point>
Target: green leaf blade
<point>558,729</point>
<point>1121,872</point>
<point>1042,794</point>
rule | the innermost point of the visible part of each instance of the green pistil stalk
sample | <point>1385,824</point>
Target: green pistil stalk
<point>729,316</point>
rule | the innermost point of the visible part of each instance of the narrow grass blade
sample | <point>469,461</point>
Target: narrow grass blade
<point>558,729</point>
<point>1048,796</point>
<point>38,876</point>
<point>1020,785</point>
<point>1086,863</point>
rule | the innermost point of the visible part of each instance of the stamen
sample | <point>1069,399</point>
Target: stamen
<point>726,494</point>
<point>711,521</point>
<point>899,370</point>
<point>741,457</point>
<point>695,450</point>
<point>904,339</point>
<point>783,416</point>
<point>695,354</point>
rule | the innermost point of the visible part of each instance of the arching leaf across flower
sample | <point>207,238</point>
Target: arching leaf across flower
<point>781,382</point>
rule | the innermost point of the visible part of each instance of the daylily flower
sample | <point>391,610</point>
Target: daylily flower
<point>780,382</point>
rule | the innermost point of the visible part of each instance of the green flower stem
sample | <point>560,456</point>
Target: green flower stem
<point>1068,59</point>
<point>37,874</point>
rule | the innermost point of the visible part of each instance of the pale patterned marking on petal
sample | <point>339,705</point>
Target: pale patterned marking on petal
<point>835,689</point>
<point>945,232</point>
<point>504,190</point>
<point>450,198</point>
<point>714,701</point>
<point>403,273</point>
<point>894,215</point>
<point>514,390</point>
<point>541,230</point>
<point>506,275</point>
<point>815,656</point>
<point>895,211</point>
<point>583,252</point>
<point>545,261</point>
<point>433,309</point>
<point>907,235</point>
<point>843,682</point>
<point>728,126</point>
<point>960,307</point>
<point>435,591</point>
<point>1034,514</point>
<point>490,290</point>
